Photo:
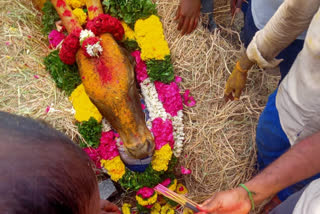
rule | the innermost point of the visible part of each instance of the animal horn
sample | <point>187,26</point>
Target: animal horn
<point>65,12</point>
<point>94,8</point>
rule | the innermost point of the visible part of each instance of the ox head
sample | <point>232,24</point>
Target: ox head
<point>110,83</point>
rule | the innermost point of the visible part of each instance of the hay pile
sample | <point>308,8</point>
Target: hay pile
<point>220,148</point>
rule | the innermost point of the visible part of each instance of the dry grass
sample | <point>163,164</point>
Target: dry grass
<point>220,137</point>
<point>21,52</point>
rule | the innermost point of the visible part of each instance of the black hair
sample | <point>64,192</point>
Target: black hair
<point>41,170</point>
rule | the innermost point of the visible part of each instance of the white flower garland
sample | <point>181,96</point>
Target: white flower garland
<point>156,109</point>
<point>84,34</point>
<point>94,50</point>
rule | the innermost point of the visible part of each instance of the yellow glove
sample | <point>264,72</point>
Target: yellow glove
<point>235,83</point>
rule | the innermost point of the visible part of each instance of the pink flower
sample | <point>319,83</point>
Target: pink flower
<point>36,76</point>
<point>47,109</point>
<point>8,43</point>
<point>94,156</point>
<point>55,37</point>
<point>185,171</point>
<point>143,106</point>
<point>188,100</point>
<point>169,95</point>
<point>162,132</point>
<point>166,182</point>
<point>108,146</point>
<point>140,68</point>
<point>178,79</point>
<point>145,192</point>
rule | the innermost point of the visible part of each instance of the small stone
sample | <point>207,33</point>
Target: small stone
<point>107,189</point>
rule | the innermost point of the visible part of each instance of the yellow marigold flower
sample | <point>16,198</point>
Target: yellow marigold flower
<point>126,208</point>
<point>128,32</point>
<point>173,186</point>
<point>149,201</point>
<point>149,35</point>
<point>156,209</point>
<point>83,106</point>
<point>181,189</point>
<point>161,158</point>
<point>167,209</point>
<point>80,15</point>
<point>115,167</point>
<point>76,3</point>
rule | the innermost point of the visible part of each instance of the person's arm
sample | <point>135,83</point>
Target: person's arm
<point>291,19</point>
<point>300,162</point>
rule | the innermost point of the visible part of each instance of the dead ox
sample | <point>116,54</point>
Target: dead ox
<point>116,96</point>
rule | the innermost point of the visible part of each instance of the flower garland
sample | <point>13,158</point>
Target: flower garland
<point>162,98</point>
<point>103,23</point>
<point>150,37</point>
<point>146,197</point>
<point>80,15</point>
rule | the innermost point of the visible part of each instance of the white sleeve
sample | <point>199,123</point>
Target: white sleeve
<point>309,202</point>
<point>291,19</point>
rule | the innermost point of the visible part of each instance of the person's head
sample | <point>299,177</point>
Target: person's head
<point>42,171</point>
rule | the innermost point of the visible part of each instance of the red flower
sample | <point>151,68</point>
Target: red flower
<point>70,47</point>
<point>105,23</point>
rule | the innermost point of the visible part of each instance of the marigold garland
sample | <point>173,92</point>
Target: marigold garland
<point>76,3</point>
<point>161,158</point>
<point>115,168</point>
<point>167,209</point>
<point>83,106</point>
<point>170,183</point>
<point>150,37</point>
<point>128,32</point>
<point>80,15</point>
<point>144,198</point>
<point>156,208</point>
<point>126,208</point>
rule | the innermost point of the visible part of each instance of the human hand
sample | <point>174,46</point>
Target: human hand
<point>235,6</point>
<point>234,201</point>
<point>235,83</point>
<point>187,15</point>
<point>108,208</point>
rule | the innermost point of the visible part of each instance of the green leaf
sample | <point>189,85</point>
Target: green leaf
<point>130,10</point>
<point>49,18</point>
<point>91,131</point>
<point>130,45</point>
<point>65,76</point>
<point>160,70</point>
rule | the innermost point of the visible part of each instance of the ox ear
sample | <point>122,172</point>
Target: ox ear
<point>126,53</point>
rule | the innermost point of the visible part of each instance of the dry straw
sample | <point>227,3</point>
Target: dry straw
<point>220,137</point>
